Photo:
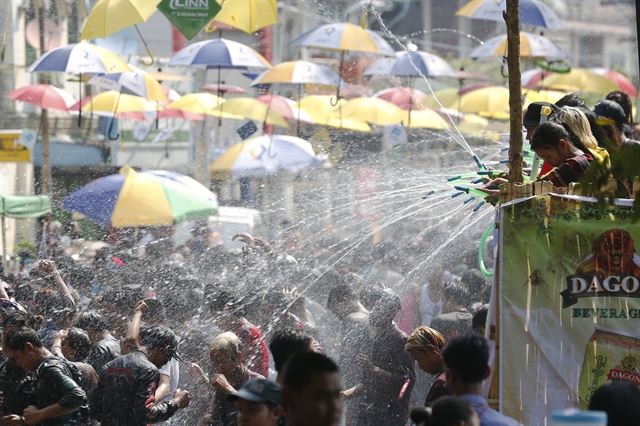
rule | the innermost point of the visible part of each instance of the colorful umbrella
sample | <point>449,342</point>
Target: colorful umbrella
<point>425,118</point>
<point>114,102</point>
<point>532,46</point>
<point>323,112</point>
<point>246,15</point>
<point>110,16</point>
<point>137,82</point>
<point>533,78</point>
<point>266,155</point>
<point>43,95</point>
<point>80,58</point>
<point>447,97</point>
<point>421,64</point>
<point>196,103</point>
<point>176,113</point>
<point>551,96</point>
<point>299,72</point>
<point>219,53</point>
<point>621,80</point>
<point>372,110</point>
<point>490,102</point>
<point>287,108</point>
<point>132,199</point>
<point>382,66</point>
<point>580,80</point>
<point>403,97</point>
<point>251,109</point>
<point>131,115</point>
<point>532,12</point>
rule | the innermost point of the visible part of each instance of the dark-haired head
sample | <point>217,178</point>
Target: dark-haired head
<point>467,361</point>
<point>160,342</point>
<point>92,322</point>
<point>341,300</point>
<point>624,101</point>
<point>571,100</point>
<point>76,345</point>
<point>287,342</point>
<point>456,295</point>
<point>620,400</point>
<point>302,366</point>
<point>446,411</point>
<point>24,348</point>
<point>553,143</point>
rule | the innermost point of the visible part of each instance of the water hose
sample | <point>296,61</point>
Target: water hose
<point>481,251</point>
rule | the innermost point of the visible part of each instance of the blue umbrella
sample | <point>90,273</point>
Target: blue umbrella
<point>532,12</point>
<point>419,64</point>
<point>219,53</point>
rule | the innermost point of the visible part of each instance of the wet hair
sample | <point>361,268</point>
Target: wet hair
<point>445,411</point>
<point>285,343</point>
<point>156,312</point>
<point>620,400</point>
<point>301,367</point>
<point>474,281</point>
<point>159,337</point>
<point>217,297</point>
<point>577,124</point>
<point>571,100</point>
<point>18,338</point>
<point>369,297</point>
<point>423,338</point>
<point>624,101</point>
<point>78,340</point>
<point>228,344</point>
<point>92,321</point>
<point>457,292</point>
<point>548,136</point>
<point>340,293</point>
<point>480,318</point>
<point>19,319</point>
<point>468,357</point>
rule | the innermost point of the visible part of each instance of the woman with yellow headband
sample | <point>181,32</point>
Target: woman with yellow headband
<point>424,345</point>
<point>576,122</point>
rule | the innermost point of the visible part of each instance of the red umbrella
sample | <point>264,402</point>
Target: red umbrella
<point>222,89</point>
<point>285,107</point>
<point>43,95</point>
<point>621,80</point>
<point>403,97</point>
<point>80,103</point>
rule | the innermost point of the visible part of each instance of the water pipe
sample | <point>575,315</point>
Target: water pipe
<point>481,251</point>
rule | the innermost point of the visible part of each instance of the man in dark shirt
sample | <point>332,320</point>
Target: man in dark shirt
<point>125,395</point>
<point>57,397</point>
<point>104,347</point>
<point>456,318</point>
<point>388,373</point>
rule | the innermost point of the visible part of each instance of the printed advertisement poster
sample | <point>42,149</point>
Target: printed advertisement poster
<point>570,303</point>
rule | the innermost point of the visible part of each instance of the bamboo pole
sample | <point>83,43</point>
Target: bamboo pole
<point>512,19</point>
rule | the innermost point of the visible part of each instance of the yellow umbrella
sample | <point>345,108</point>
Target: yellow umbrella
<point>423,118</point>
<point>321,109</point>
<point>246,15</point>
<point>491,102</point>
<point>115,102</point>
<point>580,80</point>
<point>448,98</point>
<point>251,109</point>
<point>551,96</point>
<point>372,110</point>
<point>196,103</point>
<point>110,16</point>
<point>472,123</point>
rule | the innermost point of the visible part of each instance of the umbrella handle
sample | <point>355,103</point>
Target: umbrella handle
<point>152,60</point>
<point>110,134</point>
<point>342,53</point>
<point>503,70</point>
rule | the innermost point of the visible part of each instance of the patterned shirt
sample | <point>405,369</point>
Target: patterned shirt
<point>570,171</point>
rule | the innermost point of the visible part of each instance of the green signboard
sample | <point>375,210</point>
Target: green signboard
<point>189,16</point>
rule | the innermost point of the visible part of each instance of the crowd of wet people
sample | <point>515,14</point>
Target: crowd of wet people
<point>145,332</point>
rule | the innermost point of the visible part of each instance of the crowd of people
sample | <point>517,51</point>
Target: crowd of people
<point>196,335</point>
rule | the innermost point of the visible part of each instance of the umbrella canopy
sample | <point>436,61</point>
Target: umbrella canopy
<point>249,108</point>
<point>621,80</point>
<point>447,97</point>
<point>532,46</point>
<point>115,102</point>
<point>266,155</point>
<point>344,37</point>
<point>424,119</point>
<point>137,82</point>
<point>43,95</point>
<point>403,97</point>
<point>551,96</point>
<point>219,53</point>
<point>176,113</point>
<point>299,72</point>
<point>533,77</point>
<point>382,66</point>
<point>196,103</point>
<point>490,102</point>
<point>110,16</point>
<point>131,115</point>
<point>131,199</point>
<point>419,64</point>
<point>580,80</point>
<point>372,110</point>
<point>80,58</point>
<point>323,112</point>
<point>246,15</point>
<point>287,108</point>
<point>532,12</point>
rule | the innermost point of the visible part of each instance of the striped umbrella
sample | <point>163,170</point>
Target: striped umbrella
<point>532,12</point>
<point>132,199</point>
<point>298,72</point>
<point>532,46</point>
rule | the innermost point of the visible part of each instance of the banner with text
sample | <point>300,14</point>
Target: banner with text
<point>570,303</point>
